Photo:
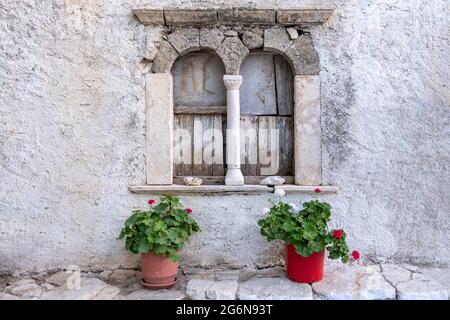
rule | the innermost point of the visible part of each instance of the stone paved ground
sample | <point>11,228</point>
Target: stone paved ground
<point>340,282</point>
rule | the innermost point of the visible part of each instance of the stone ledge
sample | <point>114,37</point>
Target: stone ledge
<point>293,189</point>
<point>242,16</point>
<point>303,17</point>
<point>176,189</point>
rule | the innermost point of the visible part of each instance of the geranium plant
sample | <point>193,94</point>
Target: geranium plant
<point>306,229</point>
<point>163,228</point>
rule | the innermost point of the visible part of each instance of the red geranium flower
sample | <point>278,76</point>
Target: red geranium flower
<point>151,201</point>
<point>355,254</point>
<point>188,210</point>
<point>338,234</point>
<point>317,190</point>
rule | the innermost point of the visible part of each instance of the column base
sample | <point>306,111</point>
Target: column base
<point>234,177</point>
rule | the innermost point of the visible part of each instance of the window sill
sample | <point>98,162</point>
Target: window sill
<point>179,190</point>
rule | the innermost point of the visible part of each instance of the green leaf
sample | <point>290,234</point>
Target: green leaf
<point>303,250</point>
<point>317,246</point>
<point>143,246</point>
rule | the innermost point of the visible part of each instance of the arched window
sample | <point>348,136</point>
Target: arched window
<point>200,117</point>
<point>267,143</point>
<point>199,121</point>
<point>271,97</point>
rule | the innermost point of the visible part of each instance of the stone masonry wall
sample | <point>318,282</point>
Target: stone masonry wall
<point>72,134</point>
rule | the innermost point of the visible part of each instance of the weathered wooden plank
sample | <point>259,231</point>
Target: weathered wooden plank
<point>268,146</point>
<point>249,145</point>
<point>284,83</point>
<point>285,127</point>
<point>258,95</point>
<point>218,166</point>
<point>183,145</point>
<point>206,110</point>
<point>224,135</point>
<point>203,145</point>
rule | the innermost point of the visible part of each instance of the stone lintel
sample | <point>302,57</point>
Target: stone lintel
<point>172,16</point>
<point>150,16</point>
<point>176,17</point>
<point>303,17</point>
<point>247,16</point>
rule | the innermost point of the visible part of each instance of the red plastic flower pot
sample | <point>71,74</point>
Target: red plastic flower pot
<point>304,269</point>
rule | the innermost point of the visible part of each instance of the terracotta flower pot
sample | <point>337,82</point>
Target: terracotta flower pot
<point>159,272</point>
<point>304,269</point>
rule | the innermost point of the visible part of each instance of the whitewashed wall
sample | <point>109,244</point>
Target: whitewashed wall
<point>72,134</point>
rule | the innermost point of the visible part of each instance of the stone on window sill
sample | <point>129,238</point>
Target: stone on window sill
<point>175,189</point>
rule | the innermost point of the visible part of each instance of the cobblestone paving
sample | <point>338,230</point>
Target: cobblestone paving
<point>373,282</point>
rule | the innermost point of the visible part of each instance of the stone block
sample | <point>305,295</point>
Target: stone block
<point>123,275</point>
<point>159,122</point>
<point>211,38</point>
<point>185,40</point>
<point>145,294</point>
<point>307,131</point>
<point>196,288</point>
<point>293,33</point>
<point>421,289</point>
<point>375,287</point>
<point>190,16</point>
<point>232,52</point>
<point>272,181</point>
<point>302,17</point>
<point>353,283</point>
<point>222,290</point>
<point>276,39</point>
<point>89,289</point>
<point>150,16</point>
<point>253,39</point>
<point>395,274</point>
<point>165,58</point>
<point>303,56</point>
<point>274,289</point>
<point>247,16</point>
<point>6,296</point>
<point>22,282</point>
<point>27,290</point>
<point>442,276</point>
<point>59,278</point>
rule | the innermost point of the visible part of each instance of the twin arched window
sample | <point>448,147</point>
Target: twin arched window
<point>267,138</point>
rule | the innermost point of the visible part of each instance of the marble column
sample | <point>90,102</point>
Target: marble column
<point>234,175</point>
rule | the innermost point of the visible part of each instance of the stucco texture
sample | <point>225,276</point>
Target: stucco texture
<point>72,135</point>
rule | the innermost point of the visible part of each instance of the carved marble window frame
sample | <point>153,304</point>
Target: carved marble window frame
<point>224,42</point>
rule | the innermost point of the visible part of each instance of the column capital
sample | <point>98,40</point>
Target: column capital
<point>232,81</point>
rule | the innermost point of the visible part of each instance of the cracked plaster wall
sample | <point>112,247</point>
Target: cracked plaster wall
<point>72,134</point>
